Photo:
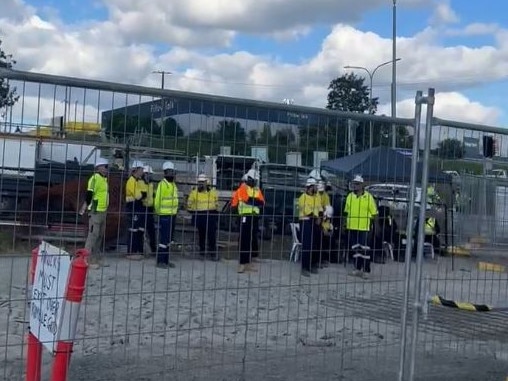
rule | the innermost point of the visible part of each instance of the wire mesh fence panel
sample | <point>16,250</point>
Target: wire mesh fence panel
<point>465,285</point>
<point>229,302</point>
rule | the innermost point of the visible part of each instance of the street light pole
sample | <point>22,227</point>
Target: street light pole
<point>394,73</point>
<point>371,80</point>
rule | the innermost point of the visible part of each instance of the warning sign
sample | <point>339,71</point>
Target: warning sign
<point>51,273</point>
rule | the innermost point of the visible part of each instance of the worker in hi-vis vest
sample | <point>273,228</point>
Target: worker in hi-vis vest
<point>250,202</point>
<point>148,212</point>
<point>134,195</point>
<point>361,211</point>
<point>97,202</point>
<point>166,207</point>
<point>310,213</point>
<point>203,204</point>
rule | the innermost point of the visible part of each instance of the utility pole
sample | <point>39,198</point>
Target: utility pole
<point>163,75</point>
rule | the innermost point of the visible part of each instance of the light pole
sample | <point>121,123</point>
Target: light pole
<point>371,74</point>
<point>394,72</point>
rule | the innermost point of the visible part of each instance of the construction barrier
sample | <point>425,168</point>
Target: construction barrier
<point>74,290</point>
<point>438,300</point>
<point>72,303</point>
<point>34,346</point>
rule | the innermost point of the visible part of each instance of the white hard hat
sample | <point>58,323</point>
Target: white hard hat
<point>147,169</point>
<point>137,164</point>
<point>244,177</point>
<point>329,211</point>
<point>168,165</point>
<point>315,174</point>
<point>202,178</point>
<point>310,182</point>
<point>253,174</point>
<point>101,161</point>
<point>358,179</point>
<point>320,186</point>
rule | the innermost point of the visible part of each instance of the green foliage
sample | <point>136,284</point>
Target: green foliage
<point>8,96</point>
<point>349,93</point>
<point>230,131</point>
<point>450,149</point>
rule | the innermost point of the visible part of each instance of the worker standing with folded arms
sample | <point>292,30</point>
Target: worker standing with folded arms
<point>203,204</point>
<point>134,195</point>
<point>310,213</point>
<point>166,207</point>
<point>250,202</point>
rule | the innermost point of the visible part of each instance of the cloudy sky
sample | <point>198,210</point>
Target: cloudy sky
<point>271,50</point>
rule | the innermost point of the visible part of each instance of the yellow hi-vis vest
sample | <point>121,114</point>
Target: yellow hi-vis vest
<point>148,188</point>
<point>309,206</point>
<point>166,199</point>
<point>98,185</point>
<point>430,226</point>
<point>203,201</point>
<point>245,209</point>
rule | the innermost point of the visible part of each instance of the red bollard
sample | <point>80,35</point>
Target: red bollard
<point>70,313</point>
<point>34,346</point>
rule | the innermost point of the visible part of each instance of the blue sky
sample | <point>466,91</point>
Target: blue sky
<point>265,51</point>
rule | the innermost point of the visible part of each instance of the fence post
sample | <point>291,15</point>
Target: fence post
<point>71,306</point>
<point>421,232</point>
<point>34,346</point>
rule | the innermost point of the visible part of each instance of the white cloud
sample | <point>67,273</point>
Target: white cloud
<point>475,29</point>
<point>452,106</point>
<point>115,50</point>
<point>444,14</point>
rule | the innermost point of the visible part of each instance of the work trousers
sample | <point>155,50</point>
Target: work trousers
<point>136,228</point>
<point>166,224</point>
<point>206,224</point>
<point>248,242</point>
<point>311,240</point>
<point>96,229</point>
<point>361,258</point>
<point>150,228</point>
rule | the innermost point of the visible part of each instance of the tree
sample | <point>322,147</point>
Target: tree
<point>450,149</point>
<point>171,129</point>
<point>230,131</point>
<point>253,136</point>
<point>349,93</point>
<point>8,96</point>
<point>201,136</point>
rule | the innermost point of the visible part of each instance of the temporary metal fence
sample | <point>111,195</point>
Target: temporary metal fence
<point>202,320</point>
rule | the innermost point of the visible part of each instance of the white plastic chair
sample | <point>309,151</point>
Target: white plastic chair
<point>297,245</point>
<point>388,249</point>
<point>430,248</point>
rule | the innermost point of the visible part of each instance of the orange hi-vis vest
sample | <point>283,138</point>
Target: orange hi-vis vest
<point>244,193</point>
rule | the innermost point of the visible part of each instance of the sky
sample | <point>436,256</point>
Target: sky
<point>274,50</point>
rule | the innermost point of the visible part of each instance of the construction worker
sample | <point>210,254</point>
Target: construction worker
<point>97,201</point>
<point>325,197</point>
<point>148,205</point>
<point>203,203</point>
<point>166,207</point>
<point>250,202</point>
<point>360,210</point>
<point>327,235</point>
<point>135,193</point>
<point>432,196</point>
<point>310,213</point>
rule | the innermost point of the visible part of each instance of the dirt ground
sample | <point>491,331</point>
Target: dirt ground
<point>203,321</point>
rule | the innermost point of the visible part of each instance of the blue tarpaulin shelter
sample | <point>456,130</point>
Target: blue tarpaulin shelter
<point>381,164</point>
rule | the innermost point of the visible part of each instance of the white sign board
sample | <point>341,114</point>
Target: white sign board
<point>51,273</point>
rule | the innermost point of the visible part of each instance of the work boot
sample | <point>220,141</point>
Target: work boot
<point>134,257</point>
<point>314,270</point>
<point>251,267</point>
<point>241,269</point>
<point>306,273</point>
<point>256,260</point>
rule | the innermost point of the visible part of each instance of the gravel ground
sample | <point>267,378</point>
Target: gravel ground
<point>202,320</point>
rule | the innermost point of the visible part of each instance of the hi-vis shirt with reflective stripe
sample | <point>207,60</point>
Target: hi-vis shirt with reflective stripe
<point>202,201</point>
<point>244,193</point>
<point>98,185</point>
<point>133,189</point>
<point>166,199</point>
<point>309,206</point>
<point>430,226</point>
